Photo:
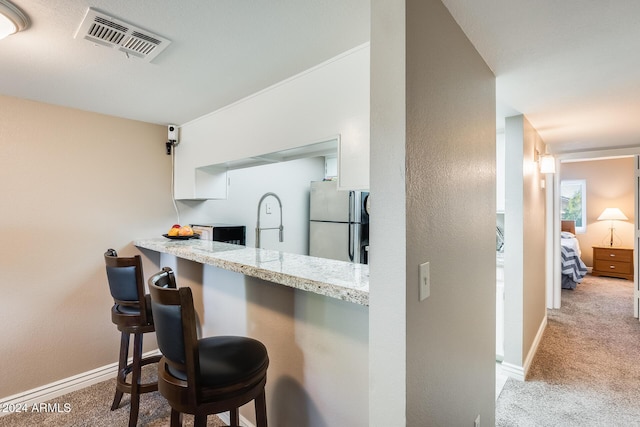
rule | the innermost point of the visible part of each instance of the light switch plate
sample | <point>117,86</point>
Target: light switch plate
<point>425,281</point>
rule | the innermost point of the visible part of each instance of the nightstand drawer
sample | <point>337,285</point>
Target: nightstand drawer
<point>604,266</point>
<point>607,254</point>
<point>613,262</point>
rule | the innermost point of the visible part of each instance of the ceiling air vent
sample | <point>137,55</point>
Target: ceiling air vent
<point>106,30</point>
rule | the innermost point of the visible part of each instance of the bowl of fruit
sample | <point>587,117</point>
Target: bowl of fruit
<point>181,232</point>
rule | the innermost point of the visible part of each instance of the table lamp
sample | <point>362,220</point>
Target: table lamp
<point>612,214</point>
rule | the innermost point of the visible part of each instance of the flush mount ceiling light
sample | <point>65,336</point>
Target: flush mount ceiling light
<point>12,19</point>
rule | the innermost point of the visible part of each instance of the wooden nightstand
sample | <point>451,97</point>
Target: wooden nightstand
<point>613,262</point>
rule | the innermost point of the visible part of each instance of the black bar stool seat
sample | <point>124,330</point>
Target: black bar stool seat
<point>207,375</point>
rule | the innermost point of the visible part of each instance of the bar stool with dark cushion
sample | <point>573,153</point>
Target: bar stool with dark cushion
<point>131,312</point>
<point>203,376</point>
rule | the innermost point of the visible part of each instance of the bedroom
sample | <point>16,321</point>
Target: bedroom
<point>608,183</point>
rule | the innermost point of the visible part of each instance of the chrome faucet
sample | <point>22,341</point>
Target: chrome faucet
<point>258,229</point>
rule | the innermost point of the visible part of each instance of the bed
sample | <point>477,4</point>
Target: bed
<point>573,269</point>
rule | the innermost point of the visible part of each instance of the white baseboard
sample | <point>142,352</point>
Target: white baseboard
<point>520,372</point>
<point>513,371</point>
<point>226,418</point>
<point>64,386</point>
<point>80,381</point>
<point>535,345</point>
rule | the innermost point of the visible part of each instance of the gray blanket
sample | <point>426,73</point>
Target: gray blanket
<point>573,269</point>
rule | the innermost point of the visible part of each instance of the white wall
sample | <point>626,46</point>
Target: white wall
<point>318,347</point>
<point>524,254</point>
<point>500,167</point>
<point>289,180</point>
<point>387,233</point>
<point>514,243</point>
<point>433,141</point>
<point>329,100</point>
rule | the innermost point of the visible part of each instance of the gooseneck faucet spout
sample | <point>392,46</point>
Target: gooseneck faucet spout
<point>258,229</point>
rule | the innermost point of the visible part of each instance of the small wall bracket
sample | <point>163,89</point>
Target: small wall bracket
<point>169,144</point>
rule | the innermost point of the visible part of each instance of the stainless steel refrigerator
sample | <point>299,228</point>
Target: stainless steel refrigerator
<point>338,223</point>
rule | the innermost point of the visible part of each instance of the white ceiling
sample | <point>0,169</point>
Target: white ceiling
<point>572,66</point>
<point>220,51</point>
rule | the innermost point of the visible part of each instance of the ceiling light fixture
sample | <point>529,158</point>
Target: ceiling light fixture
<point>12,19</point>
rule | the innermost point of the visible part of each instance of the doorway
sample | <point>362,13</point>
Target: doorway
<point>611,181</point>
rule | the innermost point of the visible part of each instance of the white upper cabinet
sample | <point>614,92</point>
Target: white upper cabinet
<point>353,160</point>
<point>328,101</point>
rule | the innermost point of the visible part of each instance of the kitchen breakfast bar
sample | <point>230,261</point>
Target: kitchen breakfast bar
<point>311,314</point>
<point>335,279</point>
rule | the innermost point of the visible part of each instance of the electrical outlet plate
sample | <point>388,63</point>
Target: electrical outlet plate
<point>425,281</point>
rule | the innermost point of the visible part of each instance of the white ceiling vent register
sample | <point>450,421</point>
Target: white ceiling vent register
<point>106,30</point>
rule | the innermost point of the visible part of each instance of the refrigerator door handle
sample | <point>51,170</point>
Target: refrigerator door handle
<point>351,224</point>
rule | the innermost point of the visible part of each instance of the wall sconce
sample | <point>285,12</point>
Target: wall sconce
<point>12,19</point>
<point>612,214</point>
<point>546,162</point>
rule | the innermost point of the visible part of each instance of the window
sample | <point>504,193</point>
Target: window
<point>573,199</point>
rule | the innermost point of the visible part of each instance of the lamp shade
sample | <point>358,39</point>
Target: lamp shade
<point>612,214</point>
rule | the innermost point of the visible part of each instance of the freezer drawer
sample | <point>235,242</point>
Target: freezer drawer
<point>328,204</point>
<point>331,240</point>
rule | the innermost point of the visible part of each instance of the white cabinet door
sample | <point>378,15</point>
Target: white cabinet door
<point>353,159</point>
<point>190,181</point>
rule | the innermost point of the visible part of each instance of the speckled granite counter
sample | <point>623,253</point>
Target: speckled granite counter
<point>335,279</point>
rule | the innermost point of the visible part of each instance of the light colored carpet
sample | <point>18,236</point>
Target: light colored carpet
<point>90,407</point>
<point>587,369</point>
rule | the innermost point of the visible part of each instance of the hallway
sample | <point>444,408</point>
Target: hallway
<point>586,370</point>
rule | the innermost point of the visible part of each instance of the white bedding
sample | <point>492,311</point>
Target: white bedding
<point>569,240</point>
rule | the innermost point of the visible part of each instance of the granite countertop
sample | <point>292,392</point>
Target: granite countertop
<point>336,279</point>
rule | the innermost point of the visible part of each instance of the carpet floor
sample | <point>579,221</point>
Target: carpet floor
<point>90,407</point>
<point>586,371</point>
